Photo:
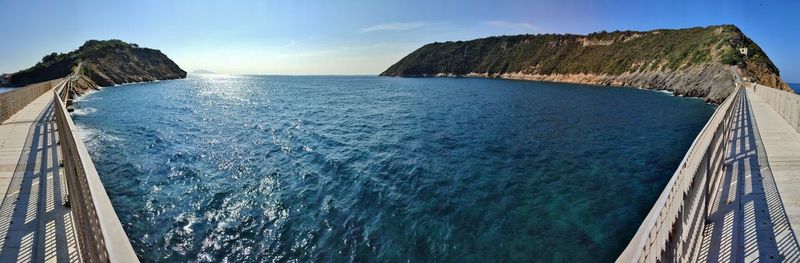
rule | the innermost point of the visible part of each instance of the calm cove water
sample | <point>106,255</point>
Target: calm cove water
<point>271,168</point>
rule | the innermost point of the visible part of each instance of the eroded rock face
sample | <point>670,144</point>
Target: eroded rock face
<point>83,85</point>
<point>713,82</point>
<point>119,64</point>
<point>104,63</point>
<point>695,62</point>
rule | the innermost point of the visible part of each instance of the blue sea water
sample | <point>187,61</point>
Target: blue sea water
<point>795,87</point>
<point>279,168</point>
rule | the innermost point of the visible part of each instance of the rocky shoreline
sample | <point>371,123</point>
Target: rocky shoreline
<point>712,83</point>
<point>695,62</point>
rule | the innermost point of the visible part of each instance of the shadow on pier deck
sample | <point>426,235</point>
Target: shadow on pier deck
<point>42,167</point>
<point>747,221</point>
<point>736,194</point>
<point>34,224</point>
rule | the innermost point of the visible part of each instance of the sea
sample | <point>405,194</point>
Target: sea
<point>379,169</point>
<point>795,87</point>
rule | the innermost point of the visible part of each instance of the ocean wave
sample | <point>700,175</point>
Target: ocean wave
<point>666,91</point>
<point>84,133</point>
<point>83,111</point>
<point>132,83</point>
<point>89,135</point>
<point>86,97</point>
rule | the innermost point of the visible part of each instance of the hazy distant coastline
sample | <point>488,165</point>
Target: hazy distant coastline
<point>203,71</point>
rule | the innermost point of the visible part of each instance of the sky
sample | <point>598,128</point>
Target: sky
<point>357,37</point>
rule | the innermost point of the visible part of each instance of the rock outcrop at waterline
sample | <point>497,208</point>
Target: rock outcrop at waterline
<point>696,62</point>
<point>103,63</point>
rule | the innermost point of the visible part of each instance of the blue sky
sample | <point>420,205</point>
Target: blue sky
<point>356,37</point>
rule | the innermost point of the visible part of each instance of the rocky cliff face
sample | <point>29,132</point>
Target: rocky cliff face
<point>103,63</point>
<point>697,62</point>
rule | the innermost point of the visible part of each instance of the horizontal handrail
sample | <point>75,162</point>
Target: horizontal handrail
<point>787,104</point>
<point>99,232</point>
<point>673,229</point>
<point>13,101</point>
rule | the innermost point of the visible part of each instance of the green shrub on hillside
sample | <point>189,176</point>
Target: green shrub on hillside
<point>56,65</point>
<point>596,53</point>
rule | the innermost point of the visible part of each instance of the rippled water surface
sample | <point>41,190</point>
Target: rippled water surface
<point>270,168</point>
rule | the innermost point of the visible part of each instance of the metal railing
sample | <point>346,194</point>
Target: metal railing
<point>673,229</point>
<point>99,232</point>
<point>787,104</point>
<point>13,101</point>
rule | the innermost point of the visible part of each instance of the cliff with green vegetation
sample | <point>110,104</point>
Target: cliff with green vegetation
<point>698,62</point>
<point>103,63</point>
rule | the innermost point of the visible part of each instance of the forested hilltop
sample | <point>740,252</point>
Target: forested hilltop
<point>698,62</point>
<point>103,63</point>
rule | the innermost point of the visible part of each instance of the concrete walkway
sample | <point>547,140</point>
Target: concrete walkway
<point>748,220</point>
<point>34,225</point>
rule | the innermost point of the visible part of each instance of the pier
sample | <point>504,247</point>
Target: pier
<point>53,207</point>
<point>736,194</point>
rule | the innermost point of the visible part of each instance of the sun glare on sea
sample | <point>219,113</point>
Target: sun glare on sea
<point>222,87</point>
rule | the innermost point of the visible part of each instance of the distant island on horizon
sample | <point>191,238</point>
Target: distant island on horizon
<point>695,62</point>
<point>203,71</point>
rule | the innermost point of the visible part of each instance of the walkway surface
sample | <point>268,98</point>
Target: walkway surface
<point>758,195</point>
<point>782,144</point>
<point>34,224</point>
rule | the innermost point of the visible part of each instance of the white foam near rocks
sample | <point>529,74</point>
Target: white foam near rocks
<point>83,111</point>
<point>666,91</point>
<point>90,136</point>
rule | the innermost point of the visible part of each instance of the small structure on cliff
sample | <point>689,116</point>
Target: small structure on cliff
<point>744,51</point>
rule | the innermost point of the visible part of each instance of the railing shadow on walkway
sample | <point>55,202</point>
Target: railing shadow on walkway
<point>34,224</point>
<point>747,221</point>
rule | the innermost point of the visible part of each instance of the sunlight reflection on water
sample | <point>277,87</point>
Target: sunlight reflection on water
<point>262,168</point>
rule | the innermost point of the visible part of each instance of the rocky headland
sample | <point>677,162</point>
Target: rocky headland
<point>696,62</point>
<point>102,63</point>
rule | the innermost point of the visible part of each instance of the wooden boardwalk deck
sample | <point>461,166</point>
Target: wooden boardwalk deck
<point>34,224</point>
<point>751,210</point>
<point>782,145</point>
